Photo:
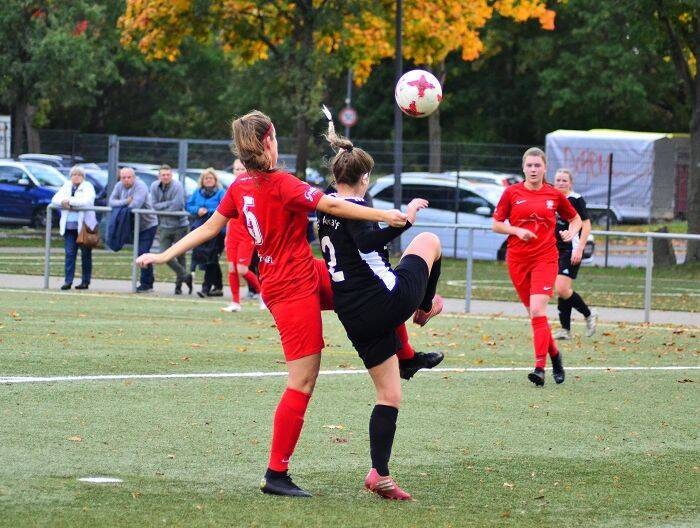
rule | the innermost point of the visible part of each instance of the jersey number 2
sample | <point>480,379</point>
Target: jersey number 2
<point>328,249</point>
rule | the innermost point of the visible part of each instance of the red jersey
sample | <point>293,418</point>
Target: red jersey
<point>275,208</point>
<point>536,212</point>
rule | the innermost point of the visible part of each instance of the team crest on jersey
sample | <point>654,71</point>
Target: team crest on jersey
<point>549,204</point>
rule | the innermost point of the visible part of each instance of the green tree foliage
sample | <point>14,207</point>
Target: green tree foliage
<point>52,57</point>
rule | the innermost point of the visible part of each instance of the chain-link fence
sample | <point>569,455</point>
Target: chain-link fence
<point>624,178</point>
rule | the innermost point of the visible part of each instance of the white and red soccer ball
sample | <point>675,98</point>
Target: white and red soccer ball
<point>418,93</point>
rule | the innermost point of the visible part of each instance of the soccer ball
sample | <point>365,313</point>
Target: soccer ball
<point>418,93</point>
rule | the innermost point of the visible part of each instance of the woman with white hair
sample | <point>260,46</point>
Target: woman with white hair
<point>75,194</point>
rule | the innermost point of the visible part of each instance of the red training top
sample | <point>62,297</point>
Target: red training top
<point>536,212</point>
<point>276,206</point>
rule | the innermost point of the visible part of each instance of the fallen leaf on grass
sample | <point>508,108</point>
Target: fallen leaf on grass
<point>136,494</point>
<point>339,426</point>
<point>686,380</point>
<point>339,440</point>
<point>75,438</point>
<point>196,345</point>
<point>508,485</point>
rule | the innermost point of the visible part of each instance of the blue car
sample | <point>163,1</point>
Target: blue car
<point>25,191</point>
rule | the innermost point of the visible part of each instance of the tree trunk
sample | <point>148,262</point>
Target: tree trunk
<point>18,113</point>
<point>693,214</point>
<point>33,144</point>
<point>302,145</point>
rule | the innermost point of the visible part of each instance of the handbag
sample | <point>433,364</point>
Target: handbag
<point>89,238</point>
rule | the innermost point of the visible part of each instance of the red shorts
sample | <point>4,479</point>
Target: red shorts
<point>239,251</point>
<point>533,278</point>
<point>299,321</point>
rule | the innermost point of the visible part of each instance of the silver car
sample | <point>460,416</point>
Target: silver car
<point>451,202</point>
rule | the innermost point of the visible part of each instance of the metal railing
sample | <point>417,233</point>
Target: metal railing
<point>649,264</point>
<point>137,225</point>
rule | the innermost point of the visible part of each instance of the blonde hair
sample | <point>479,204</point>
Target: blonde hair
<point>248,133</point>
<point>534,151</point>
<point>349,163</point>
<point>567,171</point>
<point>207,171</point>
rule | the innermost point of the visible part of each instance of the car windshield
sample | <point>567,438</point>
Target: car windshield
<point>46,175</point>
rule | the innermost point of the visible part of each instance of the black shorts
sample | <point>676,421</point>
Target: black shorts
<point>566,268</point>
<point>372,330</point>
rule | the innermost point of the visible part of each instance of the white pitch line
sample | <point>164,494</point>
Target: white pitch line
<point>210,375</point>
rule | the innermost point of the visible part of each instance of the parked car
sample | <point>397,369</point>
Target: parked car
<point>502,179</point>
<point>148,173</point>
<point>451,202</point>
<point>25,191</point>
<point>61,162</point>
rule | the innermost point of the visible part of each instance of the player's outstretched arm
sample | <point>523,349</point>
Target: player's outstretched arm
<point>344,209</point>
<point>206,231</point>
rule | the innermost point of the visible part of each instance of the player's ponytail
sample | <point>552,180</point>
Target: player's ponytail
<point>248,133</point>
<point>350,163</point>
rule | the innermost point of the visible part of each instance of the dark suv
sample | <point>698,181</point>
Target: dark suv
<point>25,191</point>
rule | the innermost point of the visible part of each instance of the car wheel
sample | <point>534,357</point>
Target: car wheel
<point>39,218</point>
<point>501,254</point>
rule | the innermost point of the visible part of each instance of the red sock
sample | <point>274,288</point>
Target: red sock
<point>406,351</point>
<point>287,424</point>
<point>541,335</point>
<point>235,286</point>
<point>252,280</point>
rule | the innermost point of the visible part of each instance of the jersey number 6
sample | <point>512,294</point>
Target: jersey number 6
<point>251,222</point>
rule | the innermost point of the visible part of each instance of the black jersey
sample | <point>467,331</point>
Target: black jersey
<point>357,258</point>
<point>580,205</point>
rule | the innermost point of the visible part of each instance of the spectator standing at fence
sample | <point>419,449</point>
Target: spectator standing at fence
<point>168,195</point>
<point>133,193</point>
<point>275,205</point>
<point>239,250</point>
<point>77,192</point>
<point>202,205</point>
<point>530,207</point>
<point>570,255</point>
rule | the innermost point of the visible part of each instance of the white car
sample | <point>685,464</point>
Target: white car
<point>501,179</point>
<point>451,202</point>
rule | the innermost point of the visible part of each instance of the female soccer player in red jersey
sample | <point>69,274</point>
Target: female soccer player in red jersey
<point>294,285</point>
<point>530,208</point>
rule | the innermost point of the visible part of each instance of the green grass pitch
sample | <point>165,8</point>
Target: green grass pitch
<point>477,445</point>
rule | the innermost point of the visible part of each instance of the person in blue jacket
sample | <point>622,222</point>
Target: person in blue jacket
<point>202,205</point>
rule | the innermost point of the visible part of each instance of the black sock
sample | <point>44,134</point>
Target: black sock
<point>564,306</point>
<point>579,304</point>
<point>382,426</point>
<point>274,474</point>
<point>427,302</point>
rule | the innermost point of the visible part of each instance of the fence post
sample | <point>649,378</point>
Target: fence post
<point>137,229</point>
<point>47,246</point>
<point>647,277</point>
<point>112,162</point>
<point>470,269</point>
<point>182,154</point>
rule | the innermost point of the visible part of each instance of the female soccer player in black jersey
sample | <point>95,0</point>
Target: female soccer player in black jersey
<point>372,299</point>
<point>570,254</point>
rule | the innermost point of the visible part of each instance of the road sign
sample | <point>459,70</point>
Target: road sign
<point>348,116</point>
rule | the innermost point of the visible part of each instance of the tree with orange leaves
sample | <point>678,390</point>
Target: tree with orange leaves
<point>309,43</point>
